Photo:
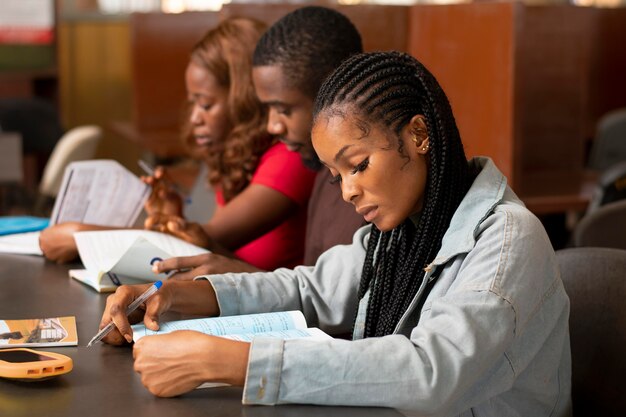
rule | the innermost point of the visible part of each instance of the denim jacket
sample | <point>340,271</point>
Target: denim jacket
<point>490,339</point>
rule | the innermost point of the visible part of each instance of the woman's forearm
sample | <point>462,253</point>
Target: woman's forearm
<point>193,297</point>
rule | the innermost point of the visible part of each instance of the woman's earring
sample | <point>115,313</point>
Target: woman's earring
<point>416,140</point>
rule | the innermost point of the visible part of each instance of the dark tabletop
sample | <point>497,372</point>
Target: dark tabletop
<point>103,382</point>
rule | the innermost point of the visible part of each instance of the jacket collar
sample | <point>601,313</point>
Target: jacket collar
<point>485,193</point>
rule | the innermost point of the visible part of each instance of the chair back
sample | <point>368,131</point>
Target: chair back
<point>603,227</point>
<point>611,187</point>
<point>595,280</point>
<point>77,144</point>
<point>609,145</point>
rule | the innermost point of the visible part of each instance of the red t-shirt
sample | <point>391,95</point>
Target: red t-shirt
<point>283,171</point>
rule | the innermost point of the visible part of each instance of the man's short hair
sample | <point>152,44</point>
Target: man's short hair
<point>308,43</point>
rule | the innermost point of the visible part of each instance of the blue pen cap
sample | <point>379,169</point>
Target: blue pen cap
<point>158,284</point>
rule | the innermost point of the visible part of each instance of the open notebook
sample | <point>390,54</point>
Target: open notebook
<point>115,257</point>
<point>281,325</point>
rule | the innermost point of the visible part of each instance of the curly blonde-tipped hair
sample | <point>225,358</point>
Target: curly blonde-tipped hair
<point>226,52</point>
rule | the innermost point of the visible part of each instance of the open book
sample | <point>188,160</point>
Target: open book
<point>100,192</point>
<point>115,257</point>
<point>283,325</point>
<point>57,331</point>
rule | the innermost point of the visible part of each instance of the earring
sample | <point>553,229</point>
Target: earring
<point>415,139</point>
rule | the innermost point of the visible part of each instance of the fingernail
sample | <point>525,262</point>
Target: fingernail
<point>128,338</point>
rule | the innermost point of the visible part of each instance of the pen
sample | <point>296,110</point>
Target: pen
<point>146,167</point>
<point>150,172</point>
<point>132,307</point>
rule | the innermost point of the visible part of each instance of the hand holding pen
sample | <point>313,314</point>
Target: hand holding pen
<point>130,309</point>
<point>165,198</point>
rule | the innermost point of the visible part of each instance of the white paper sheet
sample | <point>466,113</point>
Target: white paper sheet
<point>100,192</point>
<point>21,243</point>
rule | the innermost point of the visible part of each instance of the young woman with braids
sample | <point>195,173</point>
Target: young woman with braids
<point>452,293</point>
<point>262,188</point>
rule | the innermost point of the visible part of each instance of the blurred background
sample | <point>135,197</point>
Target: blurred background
<point>538,86</point>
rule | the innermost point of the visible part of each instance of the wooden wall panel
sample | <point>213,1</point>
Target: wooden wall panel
<point>161,44</point>
<point>94,79</point>
<point>552,67</point>
<point>381,27</point>
<point>469,48</point>
<point>607,80</point>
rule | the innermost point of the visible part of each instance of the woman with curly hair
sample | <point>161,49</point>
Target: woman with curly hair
<point>262,189</point>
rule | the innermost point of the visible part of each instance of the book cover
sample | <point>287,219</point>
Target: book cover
<point>57,331</point>
<point>21,224</point>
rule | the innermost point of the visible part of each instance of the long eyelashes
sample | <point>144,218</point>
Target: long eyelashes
<point>359,168</point>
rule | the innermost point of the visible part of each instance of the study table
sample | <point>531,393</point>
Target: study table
<point>103,382</point>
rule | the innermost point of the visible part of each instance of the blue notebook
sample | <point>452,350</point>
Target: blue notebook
<point>21,224</point>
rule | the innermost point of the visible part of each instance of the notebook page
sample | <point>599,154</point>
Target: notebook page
<point>220,326</point>
<point>100,192</point>
<point>21,243</point>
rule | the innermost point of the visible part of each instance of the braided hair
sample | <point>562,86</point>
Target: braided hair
<point>309,43</point>
<point>388,89</point>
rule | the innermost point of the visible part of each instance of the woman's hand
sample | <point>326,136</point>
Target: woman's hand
<point>57,242</point>
<point>174,363</point>
<point>177,226</point>
<point>150,311</point>
<point>187,297</point>
<point>205,264</point>
<point>164,199</point>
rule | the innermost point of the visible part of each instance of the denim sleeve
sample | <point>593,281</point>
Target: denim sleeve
<point>456,357</point>
<point>325,293</point>
<point>424,374</point>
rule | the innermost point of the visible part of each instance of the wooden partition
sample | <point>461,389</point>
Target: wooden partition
<point>95,81</point>
<point>160,45</point>
<point>381,27</point>
<point>606,90</point>
<point>516,77</point>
